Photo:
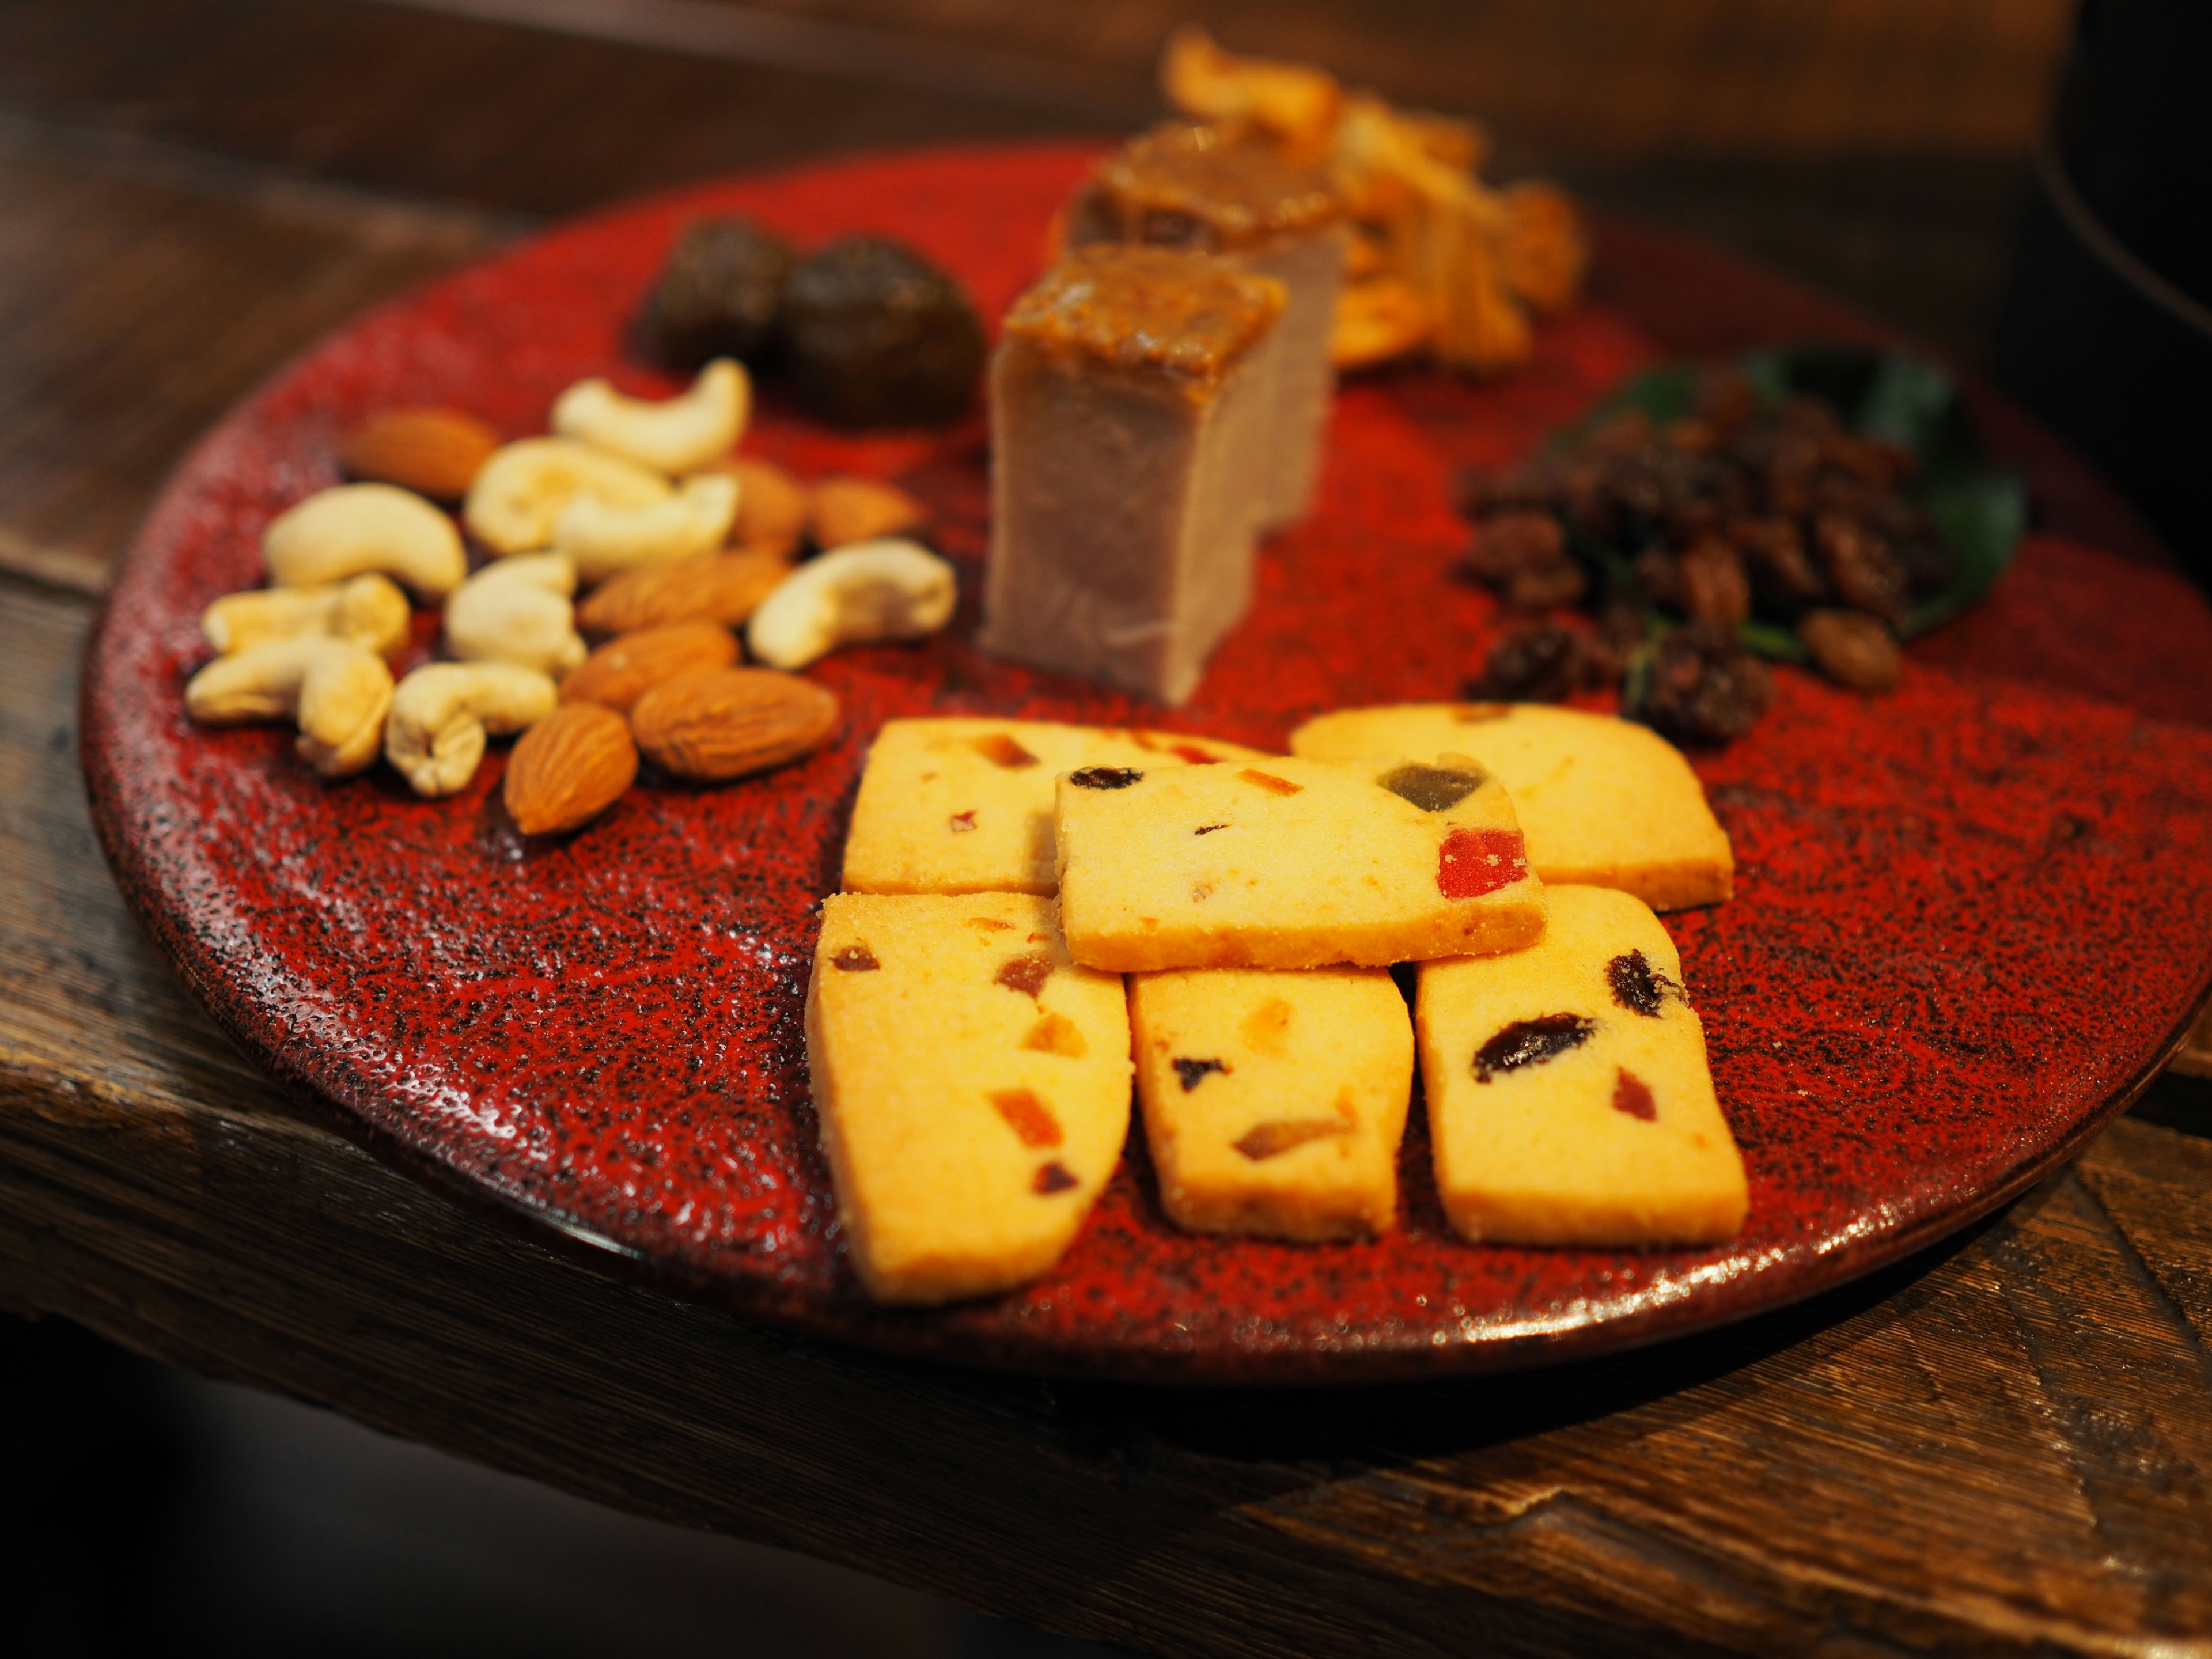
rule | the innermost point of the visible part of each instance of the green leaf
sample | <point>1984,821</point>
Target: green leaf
<point>1981,517</point>
<point>1636,680</point>
<point>1665,393</point>
<point>1773,640</point>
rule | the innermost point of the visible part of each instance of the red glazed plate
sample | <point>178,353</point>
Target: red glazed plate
<point>1974,916</point>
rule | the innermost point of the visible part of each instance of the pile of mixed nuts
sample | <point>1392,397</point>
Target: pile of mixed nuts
<point>679,540</point>
<point>1733,512</point>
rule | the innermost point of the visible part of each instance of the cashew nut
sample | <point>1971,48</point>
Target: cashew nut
<point>353,529</point>
<point>368,610</point>
<point>605,540</point>
<point>880,590</point>
<point>338,692</point>
<point>441,714</point>
<point>517,611</point>
<point>519,492</point>
<point>691,430</point>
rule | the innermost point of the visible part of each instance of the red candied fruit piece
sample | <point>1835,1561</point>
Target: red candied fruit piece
<point>1029,1118</point>
<point>1474,862</point>
<point>1026,974</point>
<point>1000,749</point>
<point>1632,1095</point>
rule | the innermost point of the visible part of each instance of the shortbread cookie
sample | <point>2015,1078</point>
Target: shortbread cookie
<point>1274,1102</point>
<point>965,806</point>
<point>1569,1101</point>
<point>973,1084</point>
<point>1603,801</point>
<point>1290,864</point>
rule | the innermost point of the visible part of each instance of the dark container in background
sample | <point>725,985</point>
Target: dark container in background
<point>2106,328</point>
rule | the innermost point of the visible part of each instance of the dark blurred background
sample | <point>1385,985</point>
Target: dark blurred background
<point>147,1510</point>
<point>190,190</point>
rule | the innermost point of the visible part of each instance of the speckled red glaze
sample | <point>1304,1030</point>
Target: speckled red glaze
<point>1972,917</point>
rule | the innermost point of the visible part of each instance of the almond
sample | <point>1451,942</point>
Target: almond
<point>568,768</point>
<point>847,509</point>
<point>716,588</point>
<point>712,724</point>
<point>432,452</point>
<point>771,503</point>
<point>620,672</point>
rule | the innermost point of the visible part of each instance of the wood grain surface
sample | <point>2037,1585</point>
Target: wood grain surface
<point>146,291</point>
<point>2004,1446</point>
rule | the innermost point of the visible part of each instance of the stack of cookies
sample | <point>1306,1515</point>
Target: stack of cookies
<point>972,1040</point>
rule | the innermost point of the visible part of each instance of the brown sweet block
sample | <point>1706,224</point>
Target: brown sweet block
<point>1132,413</point>
<point>1274,1102</point>
<point>1192,185</point>
<point>1569,1098</point>
<point>1290,864</point>
<point>1602,801</point>
<point>973,1084</point>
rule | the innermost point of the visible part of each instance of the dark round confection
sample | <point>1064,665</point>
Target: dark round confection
<point>1506,544</point>
<point>720,295</point>
<point>876,335</point>
<point>1544,663</point>
<point>1852,649</point>
<point>1704,687</point>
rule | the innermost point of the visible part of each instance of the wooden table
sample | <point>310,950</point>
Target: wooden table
<point>2005,1445</point>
